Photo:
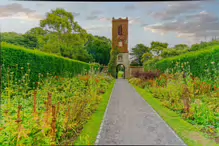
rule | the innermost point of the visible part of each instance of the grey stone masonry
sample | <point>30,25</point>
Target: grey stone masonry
<point>125,61</point>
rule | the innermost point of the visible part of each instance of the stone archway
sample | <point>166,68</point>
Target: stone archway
<point>118,68</point>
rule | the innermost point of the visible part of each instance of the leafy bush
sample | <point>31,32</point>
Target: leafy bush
<point>146,75</point>
<point>172,52</point>
<point>203,45</point>
<point>198,61</point>
<point>16,57</point>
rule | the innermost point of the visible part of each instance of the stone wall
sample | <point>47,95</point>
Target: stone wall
<point>134,69</point>
<point>123,58</point>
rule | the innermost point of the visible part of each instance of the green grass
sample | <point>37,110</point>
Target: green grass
<point>120,74</point>
<point>92,127</point>
<point>188,133</point>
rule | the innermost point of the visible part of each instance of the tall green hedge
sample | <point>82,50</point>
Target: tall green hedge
<point>16,57</point>
<point>198,61</point>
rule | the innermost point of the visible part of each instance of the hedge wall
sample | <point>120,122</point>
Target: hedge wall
<point>198,61</point>
<point>16,57</point>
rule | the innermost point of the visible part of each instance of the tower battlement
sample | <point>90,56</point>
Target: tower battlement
<point>120,34</point>
<point>119,19</point>
<point>120,41</point>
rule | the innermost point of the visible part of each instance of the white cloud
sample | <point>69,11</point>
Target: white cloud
<point>193,26</point>
<point>17,11</point>
<point>175,9</point>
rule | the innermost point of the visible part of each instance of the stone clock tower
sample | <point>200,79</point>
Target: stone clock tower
<point>120,41</point>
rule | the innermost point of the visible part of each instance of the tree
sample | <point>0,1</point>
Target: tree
<point>155,44</point>
<point>13,38</point>
<point>146,56</point>
<point>27,41</point>
<point>65,36</point>
<point>181,46</point>
<point>138,51</point>
<point>30,41</point>
<point>99,48</point>
<point>157,48</point>
<point>39,34</point>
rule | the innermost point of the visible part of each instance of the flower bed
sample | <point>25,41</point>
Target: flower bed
<point>52,113</point>
<point>195,99</point>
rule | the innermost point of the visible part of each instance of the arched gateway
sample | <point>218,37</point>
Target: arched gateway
<point>120,41</point>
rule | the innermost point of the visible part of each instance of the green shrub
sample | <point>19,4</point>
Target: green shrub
<point>113,62</point>
<point>198,61</point>
<point>19,59</point>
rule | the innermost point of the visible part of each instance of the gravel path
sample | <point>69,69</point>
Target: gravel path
<point>130,120</point>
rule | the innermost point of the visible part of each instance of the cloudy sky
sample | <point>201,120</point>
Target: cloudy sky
<point>173,22</point>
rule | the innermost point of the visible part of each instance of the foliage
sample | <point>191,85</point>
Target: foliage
<point>173,52</point>
<point>120,74</point>
<point>113,62</point>
<point>15,57</point>
<point>138,51</point>
<point>181,47</point>
<point>99,48</point>
<point>146,75</point>
<point>187,95</point>
<point>60,34</point>
<point>53,113</point>
<point>190,134</point>
<point>155,44</point>
<point>158,47</point>
<point>91,128</point>
<point>20,39</point>
<point>198,62</point>
<point>203,45</point>
<point>70,38</point>
<point>146,56</point>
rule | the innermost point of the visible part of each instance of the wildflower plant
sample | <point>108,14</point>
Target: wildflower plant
<point>50,111</point>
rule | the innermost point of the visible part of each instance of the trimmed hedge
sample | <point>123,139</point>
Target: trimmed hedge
<point>16,57</point>
<point>198,61</point>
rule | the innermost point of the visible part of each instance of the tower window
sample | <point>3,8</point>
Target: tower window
<point>120,30</point>
<point>119,58</point>
<point>120,44</point>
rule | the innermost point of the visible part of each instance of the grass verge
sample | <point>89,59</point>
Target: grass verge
<point>188,132</point>
<point>92,127</point>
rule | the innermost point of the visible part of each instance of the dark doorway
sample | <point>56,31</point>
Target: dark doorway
<point>120,71</point>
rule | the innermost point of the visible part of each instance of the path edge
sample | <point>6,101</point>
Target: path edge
<point>171,129</point>
<point>103,120</point>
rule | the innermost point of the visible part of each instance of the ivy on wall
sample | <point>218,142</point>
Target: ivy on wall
<point>113,62</point>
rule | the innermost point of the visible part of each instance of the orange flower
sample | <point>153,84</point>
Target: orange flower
<point>97,81</point>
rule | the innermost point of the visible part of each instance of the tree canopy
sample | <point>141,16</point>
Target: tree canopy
<point>60,34</point>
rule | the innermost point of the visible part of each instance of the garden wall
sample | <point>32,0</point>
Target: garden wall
<point>134,69</point>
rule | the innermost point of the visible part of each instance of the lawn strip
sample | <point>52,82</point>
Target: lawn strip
<point>188,132</point>
<point>91,128</point>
